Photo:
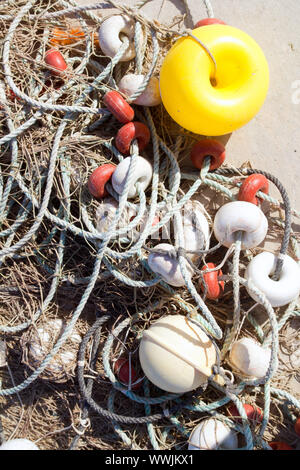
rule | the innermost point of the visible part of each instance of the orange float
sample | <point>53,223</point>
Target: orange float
<point>251,186</point>
<point>208,148</point>
<point>55,59</point>
<point>129,132</point>
<point>99,178</point>
<point>214,286</point>
<point>118,106</point>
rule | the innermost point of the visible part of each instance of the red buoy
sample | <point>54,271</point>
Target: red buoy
<point>129,132</point>
<point>297,426</point>
<point>254,414</point>
<point>208,148</point>
<point>214,286</point>
<point>54,58</point>
<point>122,369</point>
<point>280,446</point>
<point>118,106</point>
<point>99,178</point>
<point>251,186</point>
<point>208,21</point>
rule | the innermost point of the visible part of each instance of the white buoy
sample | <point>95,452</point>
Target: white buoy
<point>19,444</point>
<point>142,174</point>
<point>130,83</point>
<point>280,292</point>
<point>106,211</point>
<point>213,434</point>
<point>38,342</point>
<point>195,228</point>
<point>110,40</point>
<point>167,265</point>
<point>240,216</point>
<point>176,355</point>
<point>250,358</point>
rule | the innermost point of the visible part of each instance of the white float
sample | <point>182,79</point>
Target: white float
<point>142,174</point>
<point>109,36</point>
<point>106,211</point>
<point>240,216</point>
<point>130,83</point>
<point>37,344</point>
<point>195,228</point>
<point>213,434</point>
<point>250,358</point>
<point>281,292</point>
<point>167,265</point>
<point>176,355</point>
<point>19,444</point>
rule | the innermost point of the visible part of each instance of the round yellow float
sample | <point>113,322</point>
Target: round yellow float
<point>211,101</point>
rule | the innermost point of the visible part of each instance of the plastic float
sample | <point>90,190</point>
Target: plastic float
<point>278,292</point>
<point>163,262</point>
<point>55,60</point>
<point>250,358</point>
<point>142,175</point>
<point>174,344</point>
<point>109,36</point>
<point>240,216</point>
<point>99,178</point>
<point>254,413</point>
<point>212,434</point>
<point>211,284</point>
<point>130,84</point>
<point>19,444</point>
<point>214,98</point>
<point>129,132</point>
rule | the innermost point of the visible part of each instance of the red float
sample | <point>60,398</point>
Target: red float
<point>54,58</point>
<point>280,446</point>
<point>214,286</point>
<point>208,148</point>
<point>251,186</point>
<point>118,106</point>
<point>129,132</point>
<point>121,369</point>
<point>99,178</point>
<point>297,426</point>
<point>254,414</point>
<point>208,21</point>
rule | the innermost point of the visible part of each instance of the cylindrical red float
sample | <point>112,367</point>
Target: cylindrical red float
<point>208,148</point>
<point>99,178</point>
<point>129,132</point>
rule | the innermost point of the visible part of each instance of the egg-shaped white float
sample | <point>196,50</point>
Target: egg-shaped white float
<point>106,211</point>
<point>240,216</point>
<point>19,444</point>
<point>167,265</point>
<point>213,434</point>
<point>130,83</point>
<point>38,342</point>
<point>250,358</point>
<point>176,355</point>
<point>195,228</point>
<point>142,174</point>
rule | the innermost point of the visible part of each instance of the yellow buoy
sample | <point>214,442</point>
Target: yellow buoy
<point>211,101</point>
